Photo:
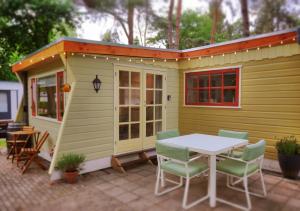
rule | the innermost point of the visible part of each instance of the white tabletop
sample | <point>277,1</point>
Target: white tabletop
<point>206,144</point>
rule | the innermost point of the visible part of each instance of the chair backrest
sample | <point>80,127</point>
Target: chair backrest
<point>170,151</point>
<point>28,128</point>
<point>167,134</point>
<point>42,140</point>
<point>233,134</point>
<point>253,151</point>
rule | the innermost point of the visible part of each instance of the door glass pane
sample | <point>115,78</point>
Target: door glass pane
<point>135,130</point>
<point>149,113</point>
<point>203,81</point>
<point>124,114</point>
<point>124,78</point>
<point>216,95</point>
<point>124,97</point>
<point>229,95</point>
<point>46,96</point>
<point>229,79</point>
<point>149,97</point>
<point>135,97</point>
<point>150,81</point>
<point>3,102</point>
<point>158,112</point>
<point>135,79</point>
<point>123,132</point>
<point>216,80</point>
<point>158,81</point>
<point>203,95</point>
<point>158,97</point>
<point>149,129</point>
<point>135,114</point>
<point>158,126</point>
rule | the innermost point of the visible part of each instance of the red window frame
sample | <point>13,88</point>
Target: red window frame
<point>33,96</point>
<point>235,70</point>
<point>59,92</point>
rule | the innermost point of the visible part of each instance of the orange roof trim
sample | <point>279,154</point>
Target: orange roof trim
<point>73,45</point>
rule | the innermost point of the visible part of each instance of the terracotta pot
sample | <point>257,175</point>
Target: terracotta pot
<point>71,177</point>
<point>290,165</point>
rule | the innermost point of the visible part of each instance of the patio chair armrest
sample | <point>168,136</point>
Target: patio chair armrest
<point>232,158</point>
<point>195,158</point>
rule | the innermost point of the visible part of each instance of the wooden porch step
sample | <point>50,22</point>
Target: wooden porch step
<point>121,162</point>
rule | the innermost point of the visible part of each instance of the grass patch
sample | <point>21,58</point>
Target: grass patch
<point>2,143</point>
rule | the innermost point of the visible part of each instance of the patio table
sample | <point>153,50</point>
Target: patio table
<point>209,145</point>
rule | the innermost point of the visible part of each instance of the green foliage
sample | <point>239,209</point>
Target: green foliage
<point>2,143</point>
<point>27,25</point>
<point>70,162</point>
<point>288,146</point>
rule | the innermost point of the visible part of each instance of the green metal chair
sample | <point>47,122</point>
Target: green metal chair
<point>234,134</point>
<point>241,168</point>
<point>177,161</point>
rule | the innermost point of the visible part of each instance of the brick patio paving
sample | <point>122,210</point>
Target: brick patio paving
<point>108,190</point>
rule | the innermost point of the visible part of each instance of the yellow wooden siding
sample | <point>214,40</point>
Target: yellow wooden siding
<point>88,126</point>
<point>41,124</point>
<point>270,102</point>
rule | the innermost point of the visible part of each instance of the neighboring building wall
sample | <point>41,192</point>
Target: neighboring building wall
<point>88,126</point>
<point>270,97</point>
<point>41,124</point>
<point>16,94</point>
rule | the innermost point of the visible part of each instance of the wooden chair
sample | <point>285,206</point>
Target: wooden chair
<point>28,155</point>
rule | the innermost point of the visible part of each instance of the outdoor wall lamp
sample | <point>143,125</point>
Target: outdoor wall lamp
<point>97,84</point>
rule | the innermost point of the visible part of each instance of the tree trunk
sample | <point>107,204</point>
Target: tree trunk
<point>178,18</point>
<point>215,13</point>
<point>245,16</point>
<point>130,23</point>
<point>170,24</point>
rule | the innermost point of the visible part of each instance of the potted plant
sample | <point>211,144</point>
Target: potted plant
<point>289,156</point>
<point>69,164</point>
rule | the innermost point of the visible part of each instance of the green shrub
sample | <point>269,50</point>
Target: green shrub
<point>70,162</point>
<point>288,146</point>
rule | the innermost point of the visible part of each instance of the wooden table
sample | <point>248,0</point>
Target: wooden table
<point>211,146</point>
<point>16,134</point>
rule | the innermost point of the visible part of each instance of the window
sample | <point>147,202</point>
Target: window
<point>48,94</point>
<point>212,88</point>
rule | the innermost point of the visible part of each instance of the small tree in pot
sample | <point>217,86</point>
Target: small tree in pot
<point>69,164</point>
<point>289,156</point>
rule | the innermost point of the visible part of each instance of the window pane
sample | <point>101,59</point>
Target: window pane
<point>216,80</point>
<point>124,78</point>
<point>135,130</point>
<point>46,96</point>
<point>203,96</point>
<point>3,102</point>
<point>158,126</point>
<point>215,95</point>
<point>229,95</point>
<point>158,97</point>
<point>158,112</point>
<point>192,81</point>
<point>124,114</point>
<point>150,81</point>
<point>135,114</point>
<point>149,97</point>
<point>135,97</point>
<point>149,113</point>
<point>124,97</point>
<point>135,79</point>
<point>149,129</point>
<point>203,80</point>
<point>193,96</point>
<point>158,81</point>
<point>123,132</point>
<point>229,79</point>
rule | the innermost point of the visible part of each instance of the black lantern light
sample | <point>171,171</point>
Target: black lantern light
<point>97,84</point>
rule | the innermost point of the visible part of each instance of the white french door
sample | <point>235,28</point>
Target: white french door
<point>139,108</point>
